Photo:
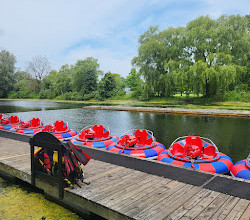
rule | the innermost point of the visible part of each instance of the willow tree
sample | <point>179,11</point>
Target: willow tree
<point>212,79</point>
<point>156,50</point>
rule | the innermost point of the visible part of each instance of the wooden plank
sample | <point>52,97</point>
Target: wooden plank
<point>8,149</point>
<point>6,158</point>
<point>213,207</point>
<point>99,186</point>
<point>224,210</point>
<point>238,210</point>
<point>160,209</point>
<point>183,209</point>
<point>100,175</point>
<point>246,214</point>
<point>195,211</point>
<point>134,178</point>
<point>95,167</point>
<point>145,195</point>
<point>142,207</point>
<point>131,193</point>
<point>111,179</point>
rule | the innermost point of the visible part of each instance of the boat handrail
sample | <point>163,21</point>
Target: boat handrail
<point>91,126</point>
<point>133,130</point>
<point>203,138</point>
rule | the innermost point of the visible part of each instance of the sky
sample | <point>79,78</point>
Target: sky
<point>65,31</point>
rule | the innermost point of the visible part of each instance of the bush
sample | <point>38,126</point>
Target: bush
<point>75,96</point>
<point>46,94</point>
<point>236,96</point>
<point>89,96</point>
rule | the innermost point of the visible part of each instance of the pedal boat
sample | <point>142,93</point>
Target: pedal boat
<point>8,123</point>
<point>60,130</point>
<point>29,127</point>
<point>95,136</point>
<point>198,153</point>
<point>139,143</point>
<point>241,169</point>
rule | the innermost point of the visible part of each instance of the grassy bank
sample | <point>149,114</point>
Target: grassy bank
<point>174,102</point>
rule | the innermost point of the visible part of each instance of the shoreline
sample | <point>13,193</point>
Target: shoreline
<point>183,111</point>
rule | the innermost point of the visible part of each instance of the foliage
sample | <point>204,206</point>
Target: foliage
<point>134,83</point>
<point>207,56</point>
<point>7,68</point>
<point>107,85</point>
<point>84,75</point>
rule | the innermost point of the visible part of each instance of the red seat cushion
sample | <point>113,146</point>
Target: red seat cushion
<point>193,146</point>
<point>99,130</point>
<point>14,119</point>
<point>141,136</point>
<point>35,122</point>
<point>60,126</point>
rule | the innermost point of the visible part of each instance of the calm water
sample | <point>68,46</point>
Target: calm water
<point>231,135</point>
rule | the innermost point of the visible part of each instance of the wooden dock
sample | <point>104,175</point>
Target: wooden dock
<point>120,192</point>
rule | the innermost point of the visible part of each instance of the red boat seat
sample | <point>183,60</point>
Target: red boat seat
<point>99,130</point>
<point>193,146</point>
<point>209,152</point>
<point>87,134</point>
<point>129,140</point>
<point>141,136</point>
<point>14,119</point>
<point>178,150</point>
<point>60,126</point>
<point>35,122</point>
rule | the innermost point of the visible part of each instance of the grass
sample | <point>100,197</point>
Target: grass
<point>172,102</point>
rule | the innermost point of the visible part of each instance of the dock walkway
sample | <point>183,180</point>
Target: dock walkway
<point>119,192</point>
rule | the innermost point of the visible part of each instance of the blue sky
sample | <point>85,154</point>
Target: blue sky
<point>65,31</point>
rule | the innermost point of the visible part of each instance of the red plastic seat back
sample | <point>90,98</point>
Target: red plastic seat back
<point>141,136</point>
<point>210,151</point>
<point>99,130</point>
<point>60,126</point>
<point>14,119</point>
<point>193,146</point>
<point>178,150</point>
<point>1,116</point>
<point>35,122</point>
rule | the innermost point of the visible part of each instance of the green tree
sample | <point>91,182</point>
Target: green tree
<point>156,52</point>
<point>84,76</point>
<point>25,86</point>
<point>7,68</point>
<point>134,83</point>
<point>107,86</point>
<point>120,84</point>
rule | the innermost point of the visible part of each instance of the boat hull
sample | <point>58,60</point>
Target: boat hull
<point>222,165</point>
<point>240,170</point>
<point>151,153</point>
<point>96,144</point>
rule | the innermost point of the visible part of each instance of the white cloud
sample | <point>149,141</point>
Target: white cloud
<point>65,31</point>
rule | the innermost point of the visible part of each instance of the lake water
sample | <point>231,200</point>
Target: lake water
<point>231,135</point>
